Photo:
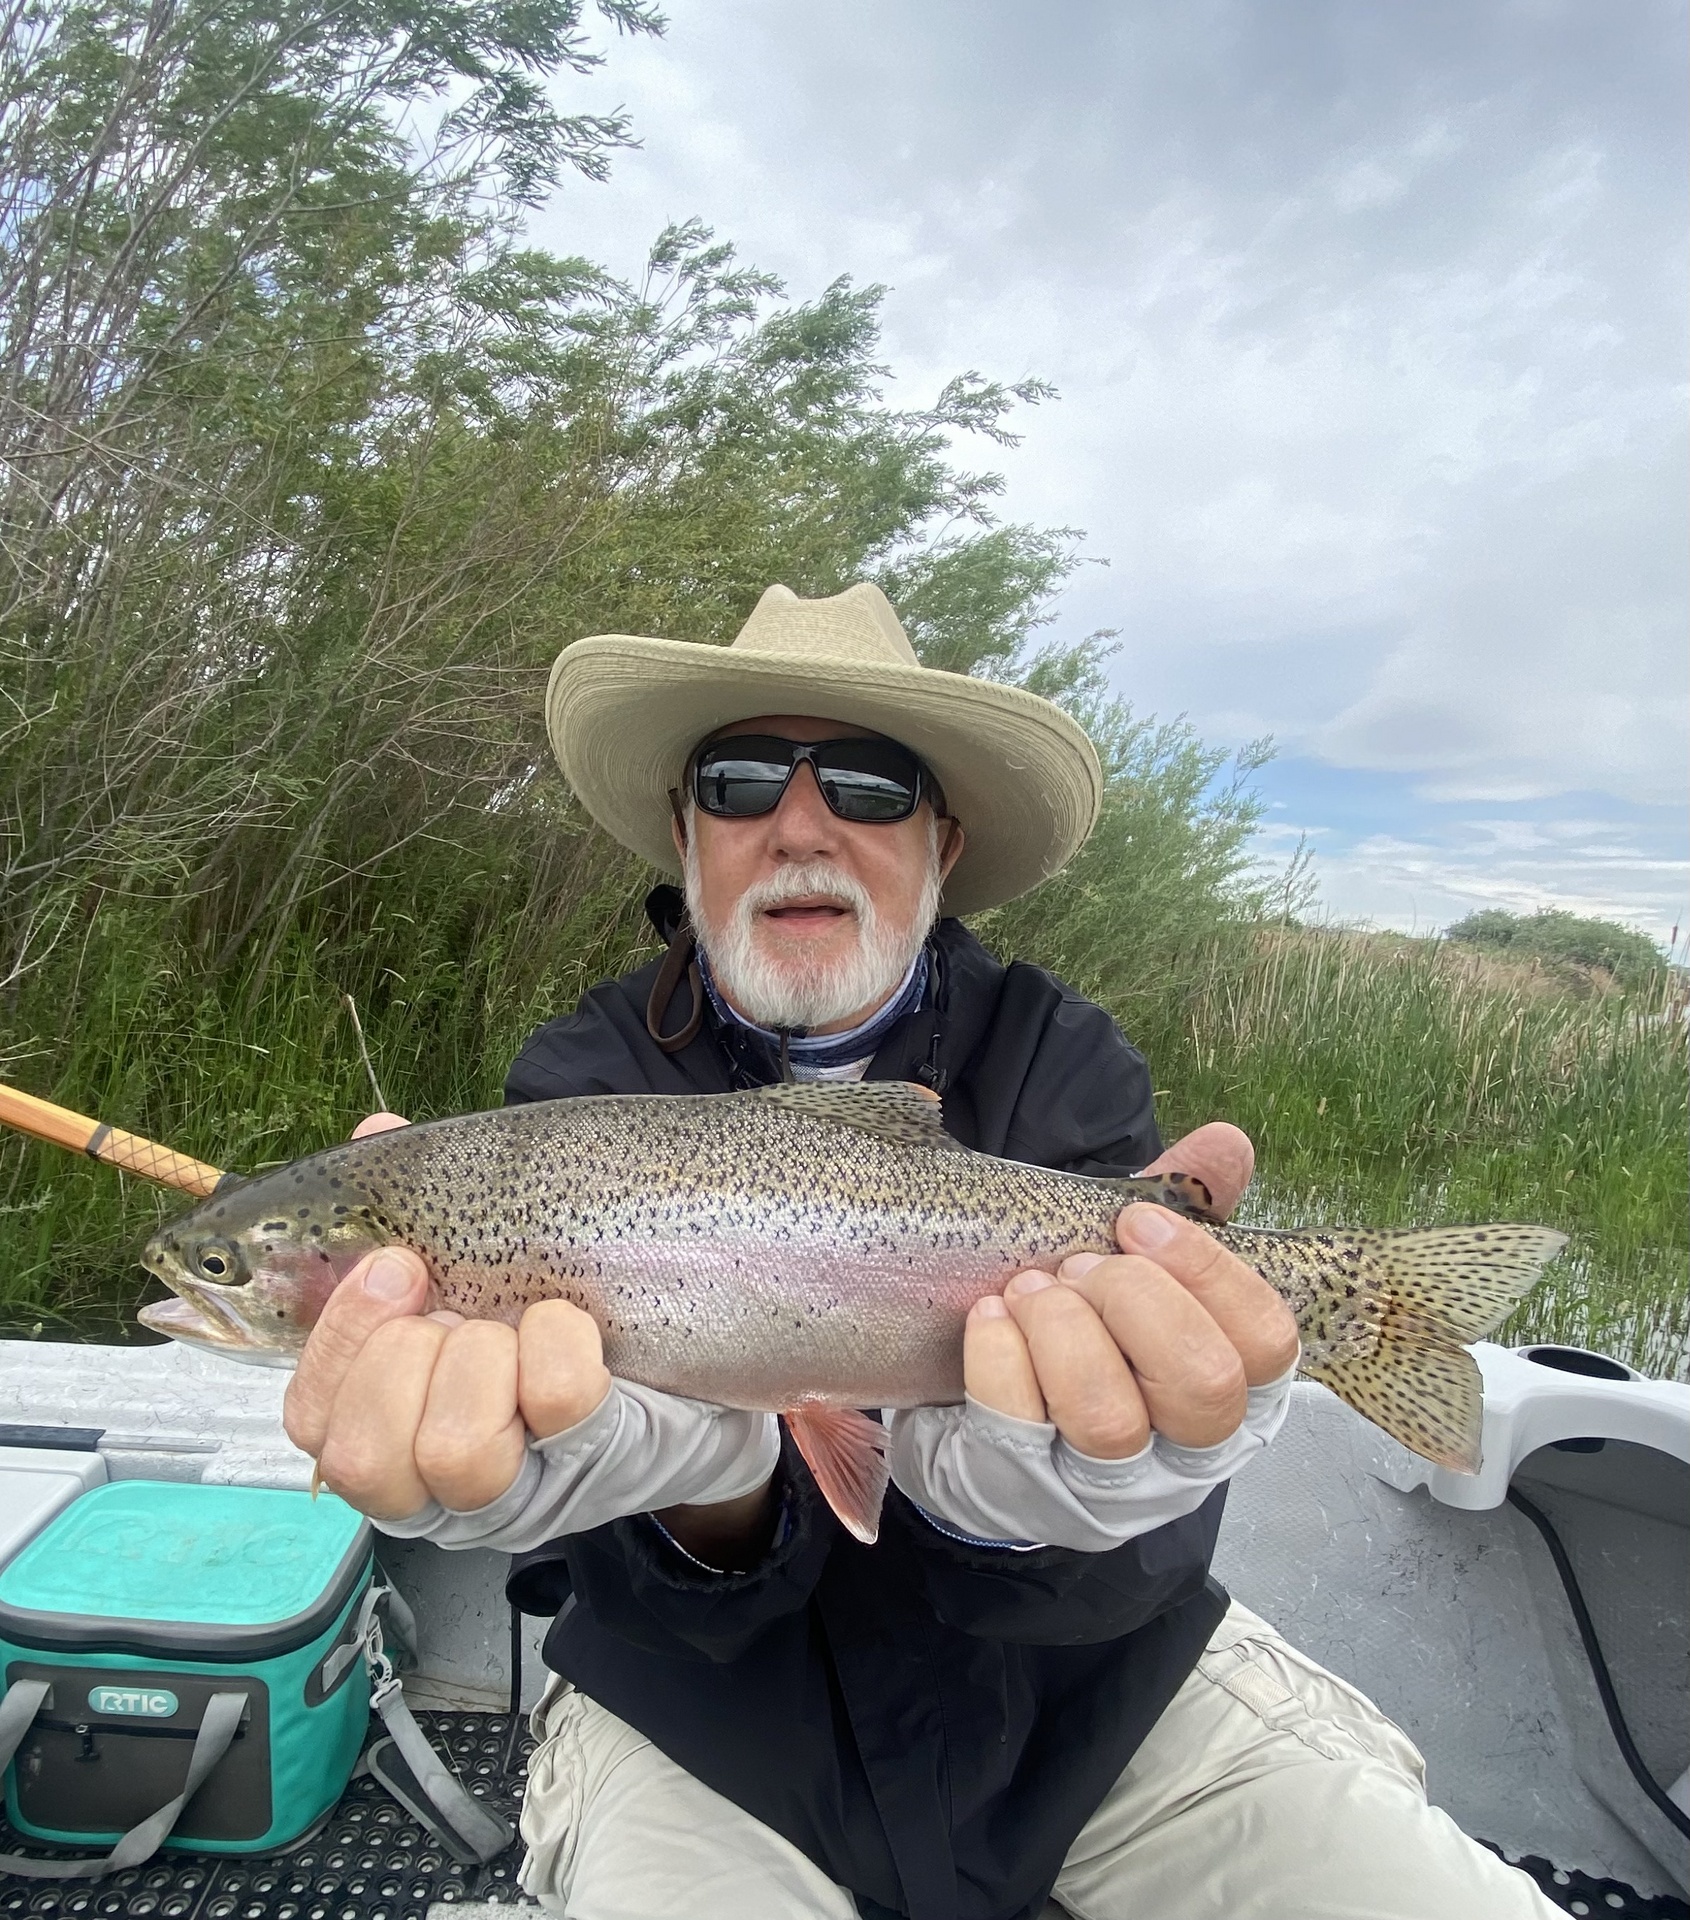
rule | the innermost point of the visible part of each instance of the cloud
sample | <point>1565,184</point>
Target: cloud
<point>1442,882</point>
<point>1366,321</point>
<point>1385,853</point>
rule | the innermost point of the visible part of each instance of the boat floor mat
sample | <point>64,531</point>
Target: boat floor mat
<point>1583,1893</point>
<point>369,1859</point>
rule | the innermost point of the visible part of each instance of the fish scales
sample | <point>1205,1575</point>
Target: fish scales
<point>798,1247</point>
<point>784,1259</point>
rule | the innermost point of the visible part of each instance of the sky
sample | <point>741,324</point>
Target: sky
<point>1367,320</point>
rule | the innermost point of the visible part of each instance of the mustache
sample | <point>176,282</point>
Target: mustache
<point>814,879</point>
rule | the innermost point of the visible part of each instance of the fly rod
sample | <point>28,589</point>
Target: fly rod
<point>110,1144</point>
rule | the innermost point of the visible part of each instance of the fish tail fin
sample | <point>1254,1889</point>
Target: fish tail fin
<point>846,1452</point>
<point>1442,1286</point>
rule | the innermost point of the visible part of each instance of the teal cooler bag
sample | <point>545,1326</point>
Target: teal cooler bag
<point>153,1632</point>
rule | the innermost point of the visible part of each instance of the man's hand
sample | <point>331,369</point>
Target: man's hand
<point>1169,1335</point>
<point>399,1405</point>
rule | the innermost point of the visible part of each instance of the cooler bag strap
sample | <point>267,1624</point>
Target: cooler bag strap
<point>402,1637</point>
<point>19,1705</point>
<point>217,1730</point>
<point>483,1833</point>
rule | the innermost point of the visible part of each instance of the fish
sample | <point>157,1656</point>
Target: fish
<point>805,1250</point>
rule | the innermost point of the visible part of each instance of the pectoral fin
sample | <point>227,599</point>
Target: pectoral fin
<point>846,1453</point>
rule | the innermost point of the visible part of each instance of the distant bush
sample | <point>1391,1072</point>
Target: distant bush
<point>1558,937</point>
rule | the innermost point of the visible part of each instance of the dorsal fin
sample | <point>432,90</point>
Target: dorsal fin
<point>894,1110</point>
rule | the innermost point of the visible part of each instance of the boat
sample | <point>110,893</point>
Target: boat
<point>1528,1626</point>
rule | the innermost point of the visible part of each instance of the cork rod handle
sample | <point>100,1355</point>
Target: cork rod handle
<point>111,1144</point>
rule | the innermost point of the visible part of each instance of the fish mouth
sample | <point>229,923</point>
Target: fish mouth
<point>210,1326</point>
<point>205,1315</point>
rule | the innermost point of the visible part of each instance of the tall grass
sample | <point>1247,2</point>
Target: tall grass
<point>1389,1080</point>
<point>260,1063</point>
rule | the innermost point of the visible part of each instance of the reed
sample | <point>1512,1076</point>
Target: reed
<point>1390,1080</point>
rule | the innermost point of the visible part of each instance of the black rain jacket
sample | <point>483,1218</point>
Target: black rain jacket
<point>929,1720</point>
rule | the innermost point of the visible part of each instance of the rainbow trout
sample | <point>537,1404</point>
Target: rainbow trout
<point>802,1250</point>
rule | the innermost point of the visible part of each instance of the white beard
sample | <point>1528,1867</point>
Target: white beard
<point>800,991</point>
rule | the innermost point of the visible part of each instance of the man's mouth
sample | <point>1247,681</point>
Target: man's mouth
<point>808,914</point>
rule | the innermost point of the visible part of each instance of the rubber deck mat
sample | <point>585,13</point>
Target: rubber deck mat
<point>369,1860</point>
<point>1583,1894</point>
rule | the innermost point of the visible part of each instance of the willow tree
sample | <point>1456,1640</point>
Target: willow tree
<point>230,237</point>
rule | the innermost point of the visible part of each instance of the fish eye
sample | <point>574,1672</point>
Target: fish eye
<point>216,1261</point>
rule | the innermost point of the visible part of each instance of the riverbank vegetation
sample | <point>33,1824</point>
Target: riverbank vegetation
<point>308,466</point>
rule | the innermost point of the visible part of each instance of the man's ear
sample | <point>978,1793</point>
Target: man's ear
<point>950,850</point>
<point>678,826</point>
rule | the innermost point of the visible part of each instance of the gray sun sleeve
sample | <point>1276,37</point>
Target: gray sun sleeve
<point>637,1450</point>
<point>998,1481</point>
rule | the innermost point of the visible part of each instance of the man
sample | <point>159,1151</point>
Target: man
<point>1029,1683</point>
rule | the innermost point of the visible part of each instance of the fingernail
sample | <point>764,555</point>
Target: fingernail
<point>445,1317</point>
<point>1078,1265</point>
<point>991,1308</point>
<point>1032,1281</point>
<point>389,1278</point>
<point>1149,1226</point>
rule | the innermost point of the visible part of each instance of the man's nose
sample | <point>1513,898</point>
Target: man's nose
<point>803,825</point>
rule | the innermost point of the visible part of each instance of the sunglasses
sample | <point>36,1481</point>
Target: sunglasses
<point>745,774</point>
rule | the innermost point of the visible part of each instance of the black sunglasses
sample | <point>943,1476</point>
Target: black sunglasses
<point>745,774</point>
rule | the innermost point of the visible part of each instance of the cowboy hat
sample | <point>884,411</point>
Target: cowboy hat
<point>624,714</point>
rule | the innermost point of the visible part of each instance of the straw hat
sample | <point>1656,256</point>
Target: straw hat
<point>625,713</point>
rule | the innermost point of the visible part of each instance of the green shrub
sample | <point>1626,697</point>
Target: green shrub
<point>1562,938</point>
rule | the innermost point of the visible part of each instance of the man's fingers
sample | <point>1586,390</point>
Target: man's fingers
<point>1089,1389</point>
<point>1261,1327</point>
<point>997,1369</point>
<point>378,1123</point>
<point>1219,1155</point>
<point>1186,1368</point>
<point>369,1456</point>
<point>385,1285</point>
<point>561,1375</point>
<point>470,1441</point>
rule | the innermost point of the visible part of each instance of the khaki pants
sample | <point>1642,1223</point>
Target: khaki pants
<point>1269,1790</point>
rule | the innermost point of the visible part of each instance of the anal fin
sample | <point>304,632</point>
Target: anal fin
<point>846,1452</point>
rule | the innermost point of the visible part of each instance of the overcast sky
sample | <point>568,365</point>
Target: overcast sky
<point>1368,322</point>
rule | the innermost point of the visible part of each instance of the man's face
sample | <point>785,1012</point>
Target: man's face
<point>798,909</point>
